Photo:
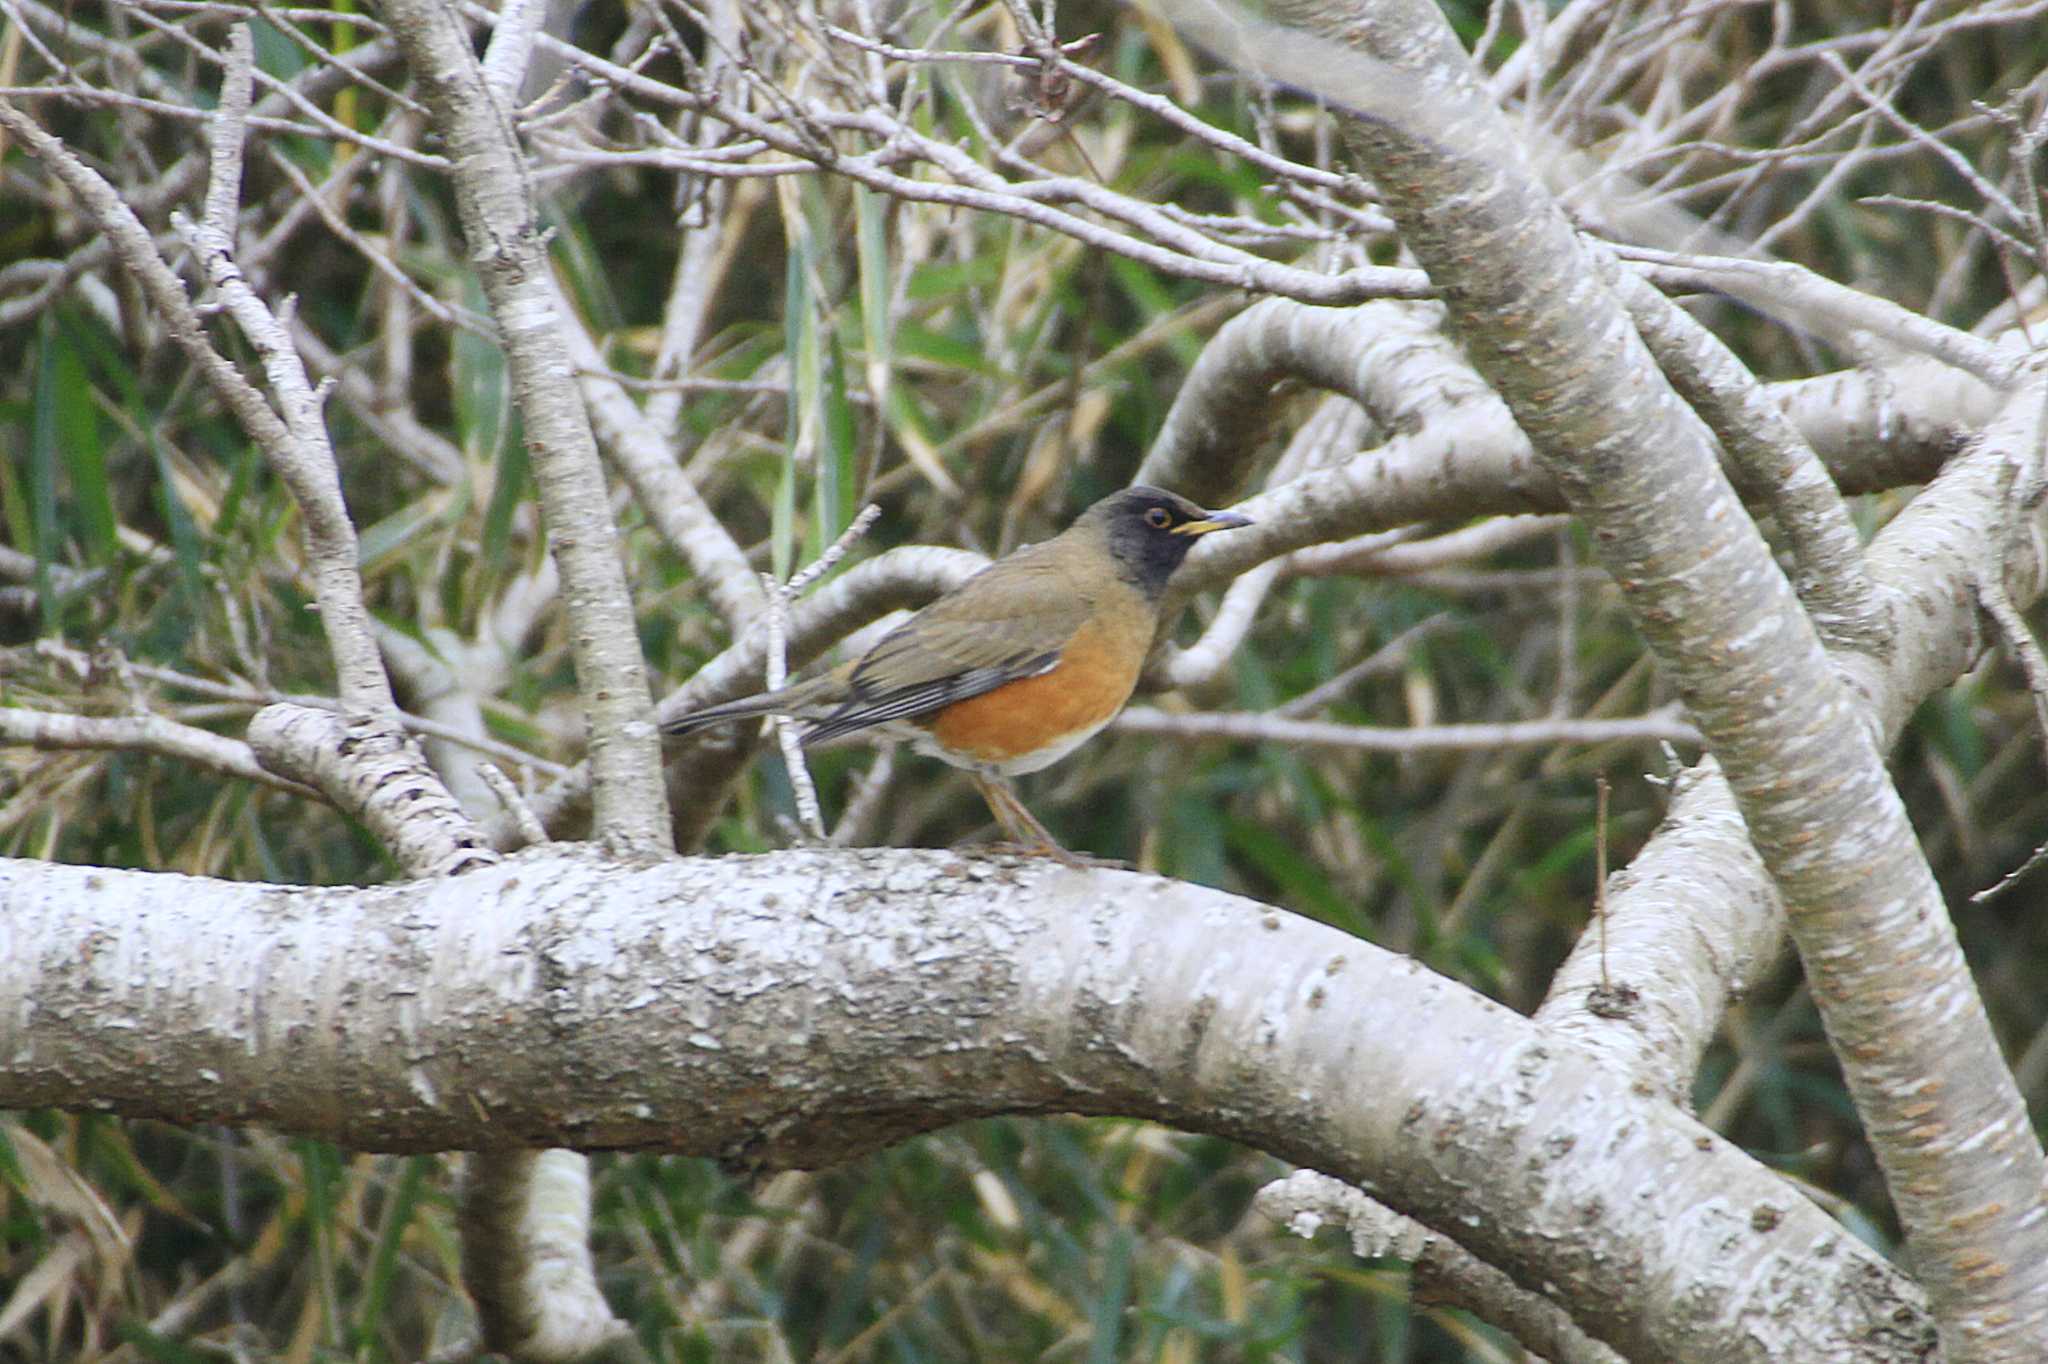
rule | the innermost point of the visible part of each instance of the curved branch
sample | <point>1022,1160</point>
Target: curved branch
<point>1454,449</point>
<point>807,1007</point>
<point>1390,358</point>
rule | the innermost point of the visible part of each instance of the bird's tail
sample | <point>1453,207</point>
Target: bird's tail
<point>787,701</point>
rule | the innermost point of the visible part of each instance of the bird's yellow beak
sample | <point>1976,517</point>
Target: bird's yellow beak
<point>1212,521</point>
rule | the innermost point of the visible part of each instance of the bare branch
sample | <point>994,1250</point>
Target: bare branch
<point>1773,465</point>
<point>1781,289</point>
<point>1276,729</point>
<point>933,988</point>
<point>296,443</point>
<point>645,458</point>
<point>371,770</point>
<point>1443,1269</point>
<point>143,734</point>
<point>498,221</point>
<point>780,595</point>
<point>1967,1174</point>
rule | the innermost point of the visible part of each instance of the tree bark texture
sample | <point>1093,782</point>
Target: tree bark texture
<point>803,1008</point>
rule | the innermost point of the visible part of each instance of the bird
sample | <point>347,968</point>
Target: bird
<point>1017,666</point>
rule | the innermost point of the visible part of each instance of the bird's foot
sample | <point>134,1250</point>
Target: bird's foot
<point>1028,837</point>
<point>1064,856</point>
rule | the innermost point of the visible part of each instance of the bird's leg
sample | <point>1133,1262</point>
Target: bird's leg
<point>1027,835</point>
<point>1019,823</point>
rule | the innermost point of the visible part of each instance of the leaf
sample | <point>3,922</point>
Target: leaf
<point>82,447</point>
<point>511,482</point>
<point>804,224</point>
<point>482,395</point>
<point>870,219</point>
<point>383,1266</point>
<point>43,441</point>
<point>92,341</point>
<point>839,482</point>
<point>950,352</point>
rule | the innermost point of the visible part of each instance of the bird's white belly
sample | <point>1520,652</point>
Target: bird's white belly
<point>921,740</point>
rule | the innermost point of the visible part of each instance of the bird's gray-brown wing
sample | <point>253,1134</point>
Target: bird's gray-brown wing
<point>1007,622</point>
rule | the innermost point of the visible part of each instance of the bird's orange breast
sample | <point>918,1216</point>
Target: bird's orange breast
<point>1083,692</point>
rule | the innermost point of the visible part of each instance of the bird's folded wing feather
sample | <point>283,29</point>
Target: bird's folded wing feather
<point>996,628</point>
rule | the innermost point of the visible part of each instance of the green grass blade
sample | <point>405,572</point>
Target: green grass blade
<point>383,1266</point>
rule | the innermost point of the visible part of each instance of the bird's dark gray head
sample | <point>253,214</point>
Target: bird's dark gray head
<point>1150,530</point>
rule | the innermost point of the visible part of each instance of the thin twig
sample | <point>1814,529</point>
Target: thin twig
<point>1781,289</point>
<point>531,832</point>
<point>251,696</point>
<point>295,443</point>
<point>780,596</point>
<point>1600,869</point>
<point>786,737</point>
<point>142,734</point>
<point>2026,651</point>
<point>866,800</point>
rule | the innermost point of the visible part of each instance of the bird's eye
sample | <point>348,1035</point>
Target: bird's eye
<point>1159,518</point>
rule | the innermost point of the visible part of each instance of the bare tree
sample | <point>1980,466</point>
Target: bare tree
<point>1457,317</point>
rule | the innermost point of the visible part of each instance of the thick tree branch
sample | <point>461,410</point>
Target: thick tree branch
<point>374,771</point>
<point>806,1007</point>
<point>1772,466</point>
<point>1694,918</point>
<point>1453,449</point>
<point>525,1216</point>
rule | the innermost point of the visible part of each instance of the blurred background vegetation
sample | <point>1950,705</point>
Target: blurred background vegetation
<point>982,381</point>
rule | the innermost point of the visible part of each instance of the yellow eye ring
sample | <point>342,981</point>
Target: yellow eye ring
<point>1159,518</point>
